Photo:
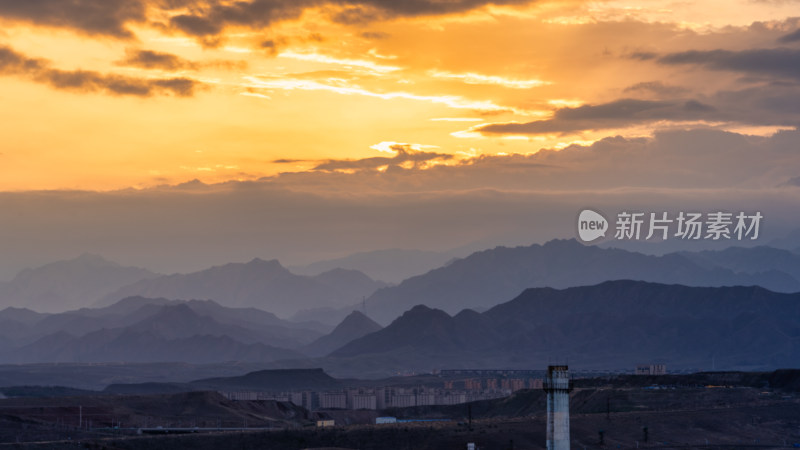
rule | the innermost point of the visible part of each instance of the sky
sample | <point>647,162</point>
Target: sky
<point>176,134</point>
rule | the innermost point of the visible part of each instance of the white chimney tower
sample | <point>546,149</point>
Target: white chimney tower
<point>557,385</point>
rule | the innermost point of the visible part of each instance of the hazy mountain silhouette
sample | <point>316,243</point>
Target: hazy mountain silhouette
<point>762,261</point>
<point>352,327</point>
<point>391,265</point>
<point>71,284</point>
<point>789,242</point>
<point>616,324</point>
<point>173,333</point>
<point>489,277</point>
<point>168,319</point>
<point>263,284</point>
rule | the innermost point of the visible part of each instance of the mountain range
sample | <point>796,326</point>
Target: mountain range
<point>489,277</point>
<point>138,329</point>
<point>70,284</point>
<point>266,285</point>
<point>390,265</point>
<point>615,324</point>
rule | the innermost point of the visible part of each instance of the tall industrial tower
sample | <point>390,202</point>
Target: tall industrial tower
<point>557,385</point>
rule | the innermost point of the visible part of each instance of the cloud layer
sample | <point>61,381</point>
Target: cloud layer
<point>513,199</point>
<point>40,71</point>
<point>93,17</point>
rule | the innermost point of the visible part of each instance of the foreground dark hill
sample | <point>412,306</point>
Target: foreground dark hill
<point>487,278</point>
<point>351,328</point>
<point>717,410</point>
<point>615,324</point>
<point>71,284</point>
<point>272,380</point>
<point>262,284</point>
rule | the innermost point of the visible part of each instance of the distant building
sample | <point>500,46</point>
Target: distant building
<point>404,400</point>
<point>473,384</point>
<point>325,423</point>
<point>382,420</point>
<point>651,369</point>
<point>362,400</point>
<point>333,400</point>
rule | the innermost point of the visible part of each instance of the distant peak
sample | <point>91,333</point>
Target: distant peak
<point>92,258</point>
<point>179,310</point>
<point>358,317</point>
<point>572,242</point>
<point>424,311</point>
<point>262,262</point>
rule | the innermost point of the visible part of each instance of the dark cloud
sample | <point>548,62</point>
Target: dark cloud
<point>206,19</point>
<point>404,155</point>
<point>257,14</point>
<point>39,70</point>
<point>195,25</point>
<point>777,62</point>
<point>212,18</point>
<point>791,37</point>
<point>94,17</point>
<point>148,59</point>
<point>430,7</point>
<point>643,56</point>
<point>614,114</point>
<point>658,88</point>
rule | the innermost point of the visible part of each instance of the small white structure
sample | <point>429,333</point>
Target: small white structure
<point>558,386</point>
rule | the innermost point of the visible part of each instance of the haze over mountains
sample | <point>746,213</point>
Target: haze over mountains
<point>613,324</point>
<point>391,266</point>
<point>489,277</point>
<point>479,280</point>
<point>433,319</point>
<point>263,284</point>
<point>66,285</point>
<point>152,330</point>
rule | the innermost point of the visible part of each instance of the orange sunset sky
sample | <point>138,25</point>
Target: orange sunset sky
<point>105,95</point>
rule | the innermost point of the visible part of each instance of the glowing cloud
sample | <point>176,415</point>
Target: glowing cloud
<point>452,101</point>
<point>325,59</point>
<point>474,78</point>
